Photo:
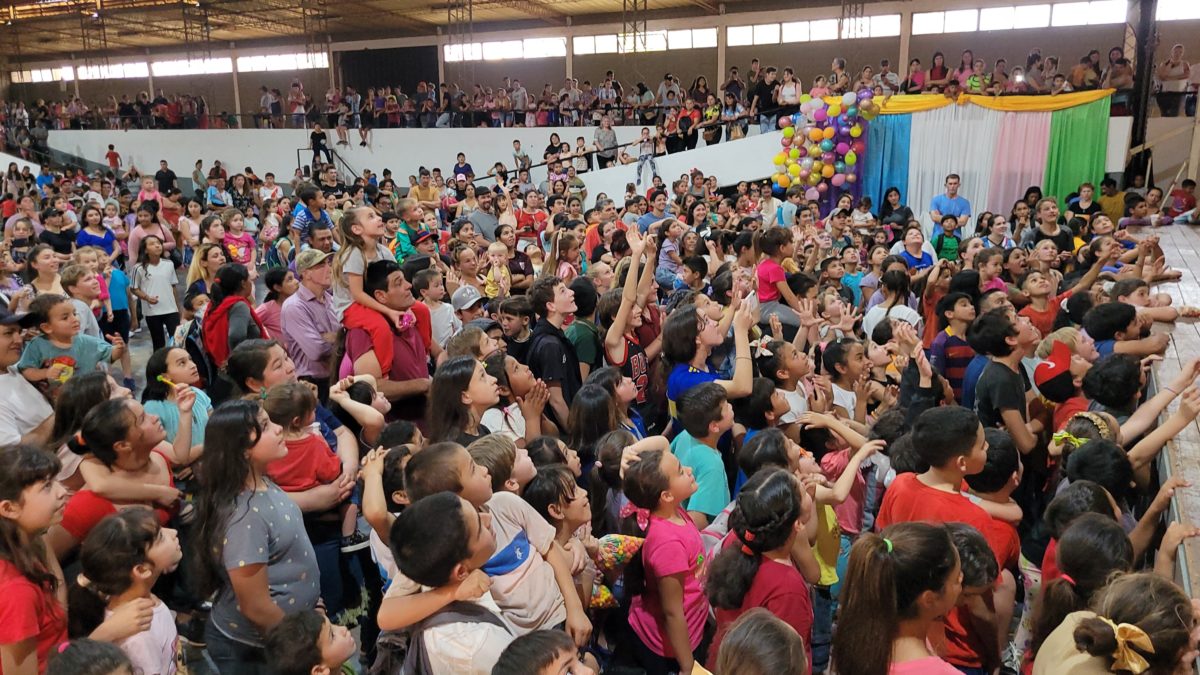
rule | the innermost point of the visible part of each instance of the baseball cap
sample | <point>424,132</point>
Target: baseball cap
<point>464,297</point>
<point>460,176</point>
<point>22,319</point>
<point>420,236</point>
<point>309,259</point>
<point>1053,376</point>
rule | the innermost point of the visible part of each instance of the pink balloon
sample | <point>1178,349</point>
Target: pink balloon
<point>838,179</point>
<point>785,122</point>
<point>802,150</point>
<point>851,178</point>
<point>812,193</point>
<point>786,142</point>
<point>804,174</point>
<point>823,187</point>
<point>820,115</point>
<point>843,148</point>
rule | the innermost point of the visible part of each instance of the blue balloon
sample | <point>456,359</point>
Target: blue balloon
<point>839,166</point>
<point>827,145</point>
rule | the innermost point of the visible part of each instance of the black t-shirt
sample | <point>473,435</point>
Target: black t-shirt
<point>766,95</point>
<point>165,179</point>
<point>1063,239</point>
<point>520,264</point>
<point>337,190</point>
<point>552,359</point>
<point>62,242</point>
<point>318,139</point>
<point>999,389</point>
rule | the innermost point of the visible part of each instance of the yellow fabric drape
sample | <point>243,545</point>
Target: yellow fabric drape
<point>903,105</point>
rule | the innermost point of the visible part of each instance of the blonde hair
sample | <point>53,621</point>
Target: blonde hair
<point>84,250</point>
<point>497,247</point>
<point>197,270</point>
<point>498,453</point>
<point>350,241</point>
<point>1067,336</point>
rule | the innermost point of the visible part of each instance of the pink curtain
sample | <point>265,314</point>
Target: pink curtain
<point>1020,158</point>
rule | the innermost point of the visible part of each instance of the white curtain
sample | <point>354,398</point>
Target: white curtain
<point>957,139</point>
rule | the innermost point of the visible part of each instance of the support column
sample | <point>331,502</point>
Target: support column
<point>150,74</point>
<point>441,57</point>
<point>906,17</point>
<point>1143,80</point>
<point>721,67</point>
<point>570,57</point>
<point>237,94</point>
<point>75,80</point>
<point>332,69</point>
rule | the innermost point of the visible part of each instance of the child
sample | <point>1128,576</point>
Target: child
<point>515,316</point>
<point>950,352</point>
<point>306,643</point>
<point>53,234</point>
<point>705,414</point>
<point>91,257</point>
<point>691,275</point>
<point>760,642</point>
<point>89,657</point>
<point>1000,390</point>
<point>498,280</point>
<point>1044,305</point>
<point>60,351</point>
<point>82,288</point>
<point>459,395</point>
<point>899,583</point>
<point>563,260</point>
<point>645,145</point>
<point>851,274</point>
<point>384,496</point>
<point>518,413</point>
<point>845,361</point>
<point>361,229</point>
<point>510,467</point>
<point>155,284</point>
<point>239,243</point>
<point>862,218</point>
<point>775,296</point>
<point>554,494</point>
<point>310,461</point>
<point>667,568</point>
<point>121,559</point>
<point>756,568</point>
<point>945,245</point>
<point>150,193</point>
<point>1116,328</point>
<point>670,232</point>
<point>543,652</point>
<point>430,289</point>
<point>22,240</point>
<point>33,622</point>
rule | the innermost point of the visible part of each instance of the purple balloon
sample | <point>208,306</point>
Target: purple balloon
<point>843,130</point>
<point>865,94</point>
<point>843,148</point>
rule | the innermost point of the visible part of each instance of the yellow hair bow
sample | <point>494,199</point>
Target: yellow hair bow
<point>1124,656</point>
<point>1067,438</point>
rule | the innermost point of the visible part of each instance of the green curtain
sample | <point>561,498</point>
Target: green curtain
<point>1078,144</point>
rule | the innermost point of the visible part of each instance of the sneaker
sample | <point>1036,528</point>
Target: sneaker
<point>355,542</point>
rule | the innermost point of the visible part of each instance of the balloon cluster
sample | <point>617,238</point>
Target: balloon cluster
<point>823,143</point>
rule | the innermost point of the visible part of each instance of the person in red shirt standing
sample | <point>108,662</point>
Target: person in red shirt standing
<point>113,157</point>
<point>1182,198</point>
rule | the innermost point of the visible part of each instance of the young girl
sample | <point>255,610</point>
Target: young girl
<point>189,226</point>
<point>94,233</point>
<point>238,242</point>
<point>149,192</point>
<point>251,547</point>
<point>89,657</point>
<point>174,365</point>
<point>361,229</point>
<point>898,585</point>
<point>89,257</point>
<point>786,365</point>
<point>755,569</point>
<point>32,619</point>
<point>623,391</point>
<point>154,283</point>
<point>518,413</point>
<point>212,231</point>
<point>120,561</point>
<point>775,296</point>
<point>760,642</point>
<point>563,260</point>
<point>670,232</point>
<point>819,88</point>
<point>460,394</point>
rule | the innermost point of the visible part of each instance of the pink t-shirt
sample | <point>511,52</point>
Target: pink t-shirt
<point>670,548</point>
<point>996,283</point>
<point>850,512</point>
<point>930,665</point>
<point>238,246</point>
<point>769,273</point>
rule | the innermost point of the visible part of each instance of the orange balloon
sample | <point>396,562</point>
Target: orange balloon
<point>815,135</point>
<point>827,171</point>
<point>784,181</point>
<point>830,132</point>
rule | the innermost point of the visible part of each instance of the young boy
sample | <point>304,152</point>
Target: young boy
<point>312,211</point>
<point>945,245</point>
<point>583,333</point>
<point>509,466</point>
<point>1059,378</point>
<point>1000,398</point>
<point>852,277</point>
<point>306,643</point>
<point>515,316</point>
<point>1116,328</point>
<point>543,652</point>
<point>691,275</point>
<point>520,581</point>
<point>792,199</point>
<point>950,353</point>
<point>60,351</point>
<point>83,288</point>
<point>832,271</point>
<point>705,414</point>
<point>1043,306</point>
<point>443,541</point>
<point>430,289</point>
<point>1182,198</point>
<point>951,441</point>
<point>468,303</point>
<point>498,280</point>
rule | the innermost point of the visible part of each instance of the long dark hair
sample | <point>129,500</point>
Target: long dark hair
<point>886,575</point>
<point>248,360</point>
<point>447,414</point>
<point>885,209</point>
<point>644,484</point>
<point>230,278</point>
<point>605,478</point>
<point>20,467</point>
<point>157,365</point>
<point>593,414</point>
<point>763,519</point>
<point>104,426</point>
<point>75,400</point>
<point>143,258</point>
<point>107,557</point>
<point>273,277</point>
<point>679,334</point>
<point>221,473</point>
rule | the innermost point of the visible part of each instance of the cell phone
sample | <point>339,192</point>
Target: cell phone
<point>1019,77</point>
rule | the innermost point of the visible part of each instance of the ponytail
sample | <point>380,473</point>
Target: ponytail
<point>644,484</point>
<point>1144,602</point>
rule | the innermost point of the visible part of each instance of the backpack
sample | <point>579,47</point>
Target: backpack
<point>404,651</point>
<point>193,344</point>
<point>273,258</point>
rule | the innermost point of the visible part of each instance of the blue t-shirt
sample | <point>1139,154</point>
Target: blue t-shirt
<point>1105,347</point>
<point>105,241</point>
<point>84,354</point>
<point>649,217</point>
<point>958,206</point>
<point>118,290</point>
<point>970,378</point>
<point>712,486</point>
<point>915,263</point>
<point>168,414</point>
<point>854,283</point>
<point>683,377</point>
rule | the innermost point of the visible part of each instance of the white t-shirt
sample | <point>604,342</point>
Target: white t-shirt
<point>899,311</point>
<point>273,192</point>
<point>467,648</point>
<point>507,421</point>
<point>153,651</point>
<point>22,407</point>
<point>797,405</point>
<point>444,324</point>
<point>845,399</point>
<point>157,281</point>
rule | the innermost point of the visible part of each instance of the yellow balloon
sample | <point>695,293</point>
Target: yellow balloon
<point>855,131</point>
<point>829,133</point>
<point>816,167</point>
<point>794,169</point>
<point>794,153</point>
<point>783,181</point>
<point>814,178</point>
<point>788,132</point>
<point>815,135</point>
<point>834,110</point>
<point>779,159</point>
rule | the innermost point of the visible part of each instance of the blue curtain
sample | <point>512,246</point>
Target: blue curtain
<point>886,161</point>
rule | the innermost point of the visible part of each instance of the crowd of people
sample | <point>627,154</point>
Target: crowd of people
<point>687,428</point>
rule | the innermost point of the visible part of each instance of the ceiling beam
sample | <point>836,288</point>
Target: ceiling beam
<point>709,5</point>
<point>536,10</point>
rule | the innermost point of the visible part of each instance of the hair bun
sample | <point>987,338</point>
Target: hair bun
<point>77,444</point>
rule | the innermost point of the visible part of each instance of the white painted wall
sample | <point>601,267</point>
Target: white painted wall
<point>6,158</point>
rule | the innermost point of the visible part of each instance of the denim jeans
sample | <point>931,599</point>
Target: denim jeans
<point>822,631</point>
<point>642,161</point>
<point>232,657</point>
<point>766,124</point>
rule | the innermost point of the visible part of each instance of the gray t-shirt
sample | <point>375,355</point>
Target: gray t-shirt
<point>606,139</point>
<point>266,527</point>
<point>87,321</point>
<point>485,224</point>
<point>355,263</point>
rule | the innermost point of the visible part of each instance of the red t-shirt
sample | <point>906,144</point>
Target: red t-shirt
<point>29,611</point>
<point>1063,411</point>
<point>1050,570</point>
<point>530,225</point>
<point>86,509</point>
<point>778,587</point>
<point>1044,320</point>
<point>309,463</point>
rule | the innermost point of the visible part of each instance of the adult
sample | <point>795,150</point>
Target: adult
<point>426,194</point>
<point>165,177</point>
<point>41,278</point>
<point>1084,206</point>
<point>207,260</point>
<point>657,212</point>
<point>606,143</point>
<point>551,355</point>
<point>892,213</point>
<point>312,327</point>
<point>1173,75</point>
<point>484,216</point>
<point>519,264</point>
<point>531,217</point>
<point>27,209</point>
<point>398,360</point>
<point>281,283</point>
<point>230,318</point>
<point>886,79</point>
<point>25,416</point>
<point>950,204</point>
<point>762,101</point>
